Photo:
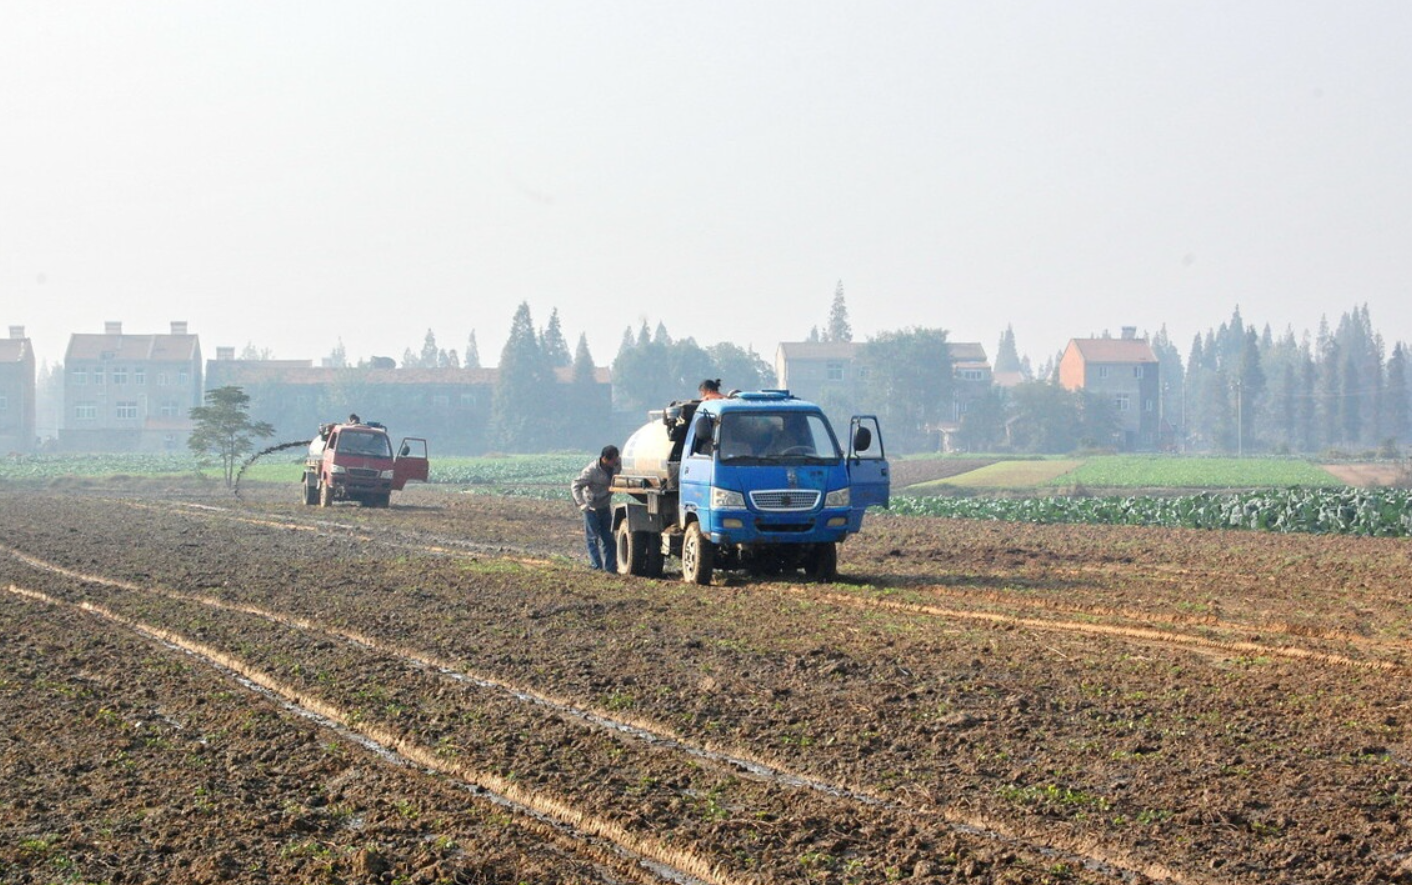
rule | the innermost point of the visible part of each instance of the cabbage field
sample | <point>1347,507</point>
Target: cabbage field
<point>1344,510</point>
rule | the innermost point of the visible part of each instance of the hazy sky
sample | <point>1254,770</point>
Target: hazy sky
<point>291,174</point>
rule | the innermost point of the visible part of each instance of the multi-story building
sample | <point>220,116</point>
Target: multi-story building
<point>833,374</point>
<point>17,393</point>
<point>452,408</point>
<point>130,393</point>
<point>825,372</point>
<point>1123,373</point>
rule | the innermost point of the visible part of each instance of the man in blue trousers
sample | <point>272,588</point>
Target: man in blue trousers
<point>592,494</point>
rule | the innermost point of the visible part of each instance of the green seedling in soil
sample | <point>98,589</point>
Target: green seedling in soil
<point>644,785</point>
<point>710,804</point>
<point>1053,795</point>
<point>619,701</point>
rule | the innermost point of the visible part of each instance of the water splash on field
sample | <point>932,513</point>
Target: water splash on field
<point>235,486</point>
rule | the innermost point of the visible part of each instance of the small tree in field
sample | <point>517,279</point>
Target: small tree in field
<point>223,427</point>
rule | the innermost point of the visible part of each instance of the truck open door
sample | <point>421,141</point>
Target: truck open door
<point>868,474</point>
<point>411,463</point>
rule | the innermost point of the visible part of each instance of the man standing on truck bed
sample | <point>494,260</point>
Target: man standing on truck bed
<point>591,492</point>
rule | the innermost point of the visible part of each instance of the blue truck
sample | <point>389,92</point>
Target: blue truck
<point>756,481</point>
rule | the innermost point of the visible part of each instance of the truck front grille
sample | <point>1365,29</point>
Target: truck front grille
<point>362,473</point>
<point>785,500</point>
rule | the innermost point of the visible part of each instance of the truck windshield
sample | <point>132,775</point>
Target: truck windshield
<point>777,438</point>
<point>357,442</point>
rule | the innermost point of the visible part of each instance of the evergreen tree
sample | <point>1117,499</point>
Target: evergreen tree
<point>556,349</point>
<point>1329,415</point>
<point>588,405</point>
<point>338,357</point>
<point>472,352</point>
<point>1308,421</point>
<point>1007,358</point>
<point>524,406</point>
<point>430,353</point>
<point>1352,401</point>
<point>838,329</point>
<point>410,360</point>
<point>1397,406</point>
<point>583,363</point>
<point>813,337</point>
<point>1170,382</point>
<point>1250,382</point>
<point>657,370</point>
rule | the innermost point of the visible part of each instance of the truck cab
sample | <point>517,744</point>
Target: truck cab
<point>355,462</point>
<point>757,481</point>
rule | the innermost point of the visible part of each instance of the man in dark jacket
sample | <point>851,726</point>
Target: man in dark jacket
<point>593,496</point>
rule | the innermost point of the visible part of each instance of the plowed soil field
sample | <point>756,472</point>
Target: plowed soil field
<point>196,688</point>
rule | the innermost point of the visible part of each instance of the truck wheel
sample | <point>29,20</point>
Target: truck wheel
<point>311,492</point>
<point>325,494</point>
<point>382,499</point>
<point>697,554</point>
<point>822,564</point>
<point>632,550</point>
<point>652,566</point>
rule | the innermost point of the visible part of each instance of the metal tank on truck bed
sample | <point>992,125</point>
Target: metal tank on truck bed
<point>757,480</point>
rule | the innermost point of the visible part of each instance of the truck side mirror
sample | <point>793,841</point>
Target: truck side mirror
<point>862,439</point>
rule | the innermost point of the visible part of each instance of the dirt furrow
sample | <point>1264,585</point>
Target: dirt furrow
<point>586,829</point>
<point>723,789</point>
<point>1011,700</point>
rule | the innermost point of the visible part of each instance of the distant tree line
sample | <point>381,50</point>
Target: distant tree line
<point>1238,388</point>
<point>1250,390</point>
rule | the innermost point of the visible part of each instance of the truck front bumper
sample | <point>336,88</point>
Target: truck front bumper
<point>750,527</point>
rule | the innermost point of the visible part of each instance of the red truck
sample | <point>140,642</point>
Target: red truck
<point>355,462</point>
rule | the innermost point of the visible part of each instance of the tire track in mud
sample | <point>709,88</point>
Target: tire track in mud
<point>1167,638</point>
<point>583,830</point>
<point>1088,856</point>
<point>523,555</point>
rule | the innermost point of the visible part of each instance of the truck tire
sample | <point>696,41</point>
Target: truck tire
<point>697,555</point>
<point>822,564</point>
<point>311,491</point>
<point>325,494</point>
<point>632,550</point>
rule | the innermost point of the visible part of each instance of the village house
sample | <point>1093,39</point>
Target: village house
<point>452,406</point>
<point>17,393</point>
<point>130,393</point>
<point>1123,373</point>
<point>832,374</point>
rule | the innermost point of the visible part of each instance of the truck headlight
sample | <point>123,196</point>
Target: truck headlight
<point>726,498</point>
<point>386,474</point>
<point>338,468</point>
<point>837,498</point>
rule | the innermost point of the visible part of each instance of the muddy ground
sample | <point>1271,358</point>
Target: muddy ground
<point>197,688</point>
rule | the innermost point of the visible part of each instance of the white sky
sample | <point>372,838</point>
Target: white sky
<point>289,174</point>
